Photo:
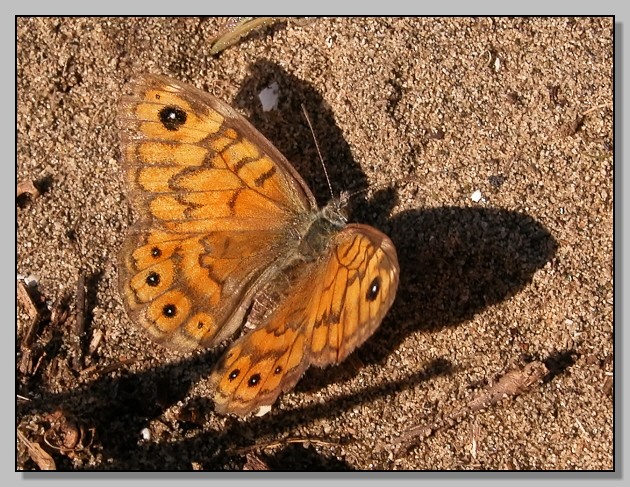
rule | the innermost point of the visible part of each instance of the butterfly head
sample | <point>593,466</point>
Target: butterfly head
<point>336,211</point>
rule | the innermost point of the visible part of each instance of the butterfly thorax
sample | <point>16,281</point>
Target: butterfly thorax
<point>323,225</point>
<point>314,232</point>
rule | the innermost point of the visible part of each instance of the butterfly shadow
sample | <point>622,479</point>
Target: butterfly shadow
<point>455,262</point>
<point>287,128</point>
<point>118,407</point>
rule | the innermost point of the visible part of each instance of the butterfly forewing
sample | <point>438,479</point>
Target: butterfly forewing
<point>215,202</point>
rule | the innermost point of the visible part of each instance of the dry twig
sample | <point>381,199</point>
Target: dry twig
<point>235,29</point>
<point>79,322</point>
<point>33,313</point>
<point>108,368</point>
<point>512,383</point>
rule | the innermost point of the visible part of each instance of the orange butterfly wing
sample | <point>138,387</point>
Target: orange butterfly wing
<point>225,221</point>
<point>338,302</point>
<point>216,203</point>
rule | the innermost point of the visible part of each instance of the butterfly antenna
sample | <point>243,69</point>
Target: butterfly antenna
<point>310,126</point>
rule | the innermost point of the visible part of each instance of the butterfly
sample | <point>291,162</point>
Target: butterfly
<point>229,237</point>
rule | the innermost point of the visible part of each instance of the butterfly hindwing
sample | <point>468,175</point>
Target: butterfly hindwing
<point>338,302</point>
<point>359,283</point>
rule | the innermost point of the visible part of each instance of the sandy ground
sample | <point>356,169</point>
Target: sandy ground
<point>486,145</point>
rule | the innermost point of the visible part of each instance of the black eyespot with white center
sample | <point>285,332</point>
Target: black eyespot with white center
<point>277,370</point>
<point>153,279</point>
<point>172,117</point>
<point>373,290</point>
<point>156,252</point>
<point>169,310</point>
<point>253,380</point>
<point>233,375</point>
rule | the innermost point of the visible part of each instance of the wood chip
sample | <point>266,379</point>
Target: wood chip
<point>43,460</point>
<point>254,462</point>
<point>59,312</point>
<point>26,362</point>
<point>26,300</point>
<point>571,128</point>
<point>607,387</point>
<point>27,188</point>
<point>97,337</point>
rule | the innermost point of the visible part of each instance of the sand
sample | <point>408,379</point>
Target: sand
<point>486,148</point>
